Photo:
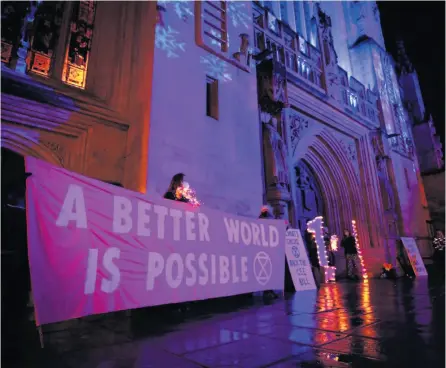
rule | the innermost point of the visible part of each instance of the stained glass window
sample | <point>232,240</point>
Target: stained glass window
<point>13,13</point>
<point>48,20</point>
<point>79,44</point>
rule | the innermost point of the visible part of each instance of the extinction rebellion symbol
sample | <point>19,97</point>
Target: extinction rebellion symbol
<point>295,252</point>
<point>263,268</point>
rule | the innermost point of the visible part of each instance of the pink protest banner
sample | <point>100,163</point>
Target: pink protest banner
<point>96,248</point>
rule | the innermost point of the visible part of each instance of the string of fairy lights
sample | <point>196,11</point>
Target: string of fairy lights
<point>316,228</point>
<point>358,247</point>
<point>187,192</point>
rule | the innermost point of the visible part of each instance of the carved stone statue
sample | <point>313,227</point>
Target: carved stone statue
<point>378,147</point>
<point>385,184</point>
<point>272,86</point>
<point>279,89</point>
<point>305,189</point>
<point>275,156</point>
<point>331,58</point>
<point>381,159</point>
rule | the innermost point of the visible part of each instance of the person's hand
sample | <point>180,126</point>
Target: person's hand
<point>179,193</point>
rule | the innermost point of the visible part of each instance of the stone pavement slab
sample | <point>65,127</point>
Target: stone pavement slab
<point>346,324</point>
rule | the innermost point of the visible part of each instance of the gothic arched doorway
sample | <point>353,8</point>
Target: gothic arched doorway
<point>309,202</point>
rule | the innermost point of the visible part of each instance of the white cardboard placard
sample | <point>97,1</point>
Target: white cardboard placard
<point>414,256</point>
<point>298,262</point>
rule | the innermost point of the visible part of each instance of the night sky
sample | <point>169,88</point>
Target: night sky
<point>421,25</point>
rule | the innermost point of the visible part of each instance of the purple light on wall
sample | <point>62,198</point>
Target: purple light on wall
<point>216,67</point>
<point>238,14</point>
<point>166,40</point>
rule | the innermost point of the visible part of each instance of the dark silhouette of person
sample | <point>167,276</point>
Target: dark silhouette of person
<point>351,254</point>
<point>172,192</point>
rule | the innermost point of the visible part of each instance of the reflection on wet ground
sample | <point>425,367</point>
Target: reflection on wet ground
<point>377,324</point>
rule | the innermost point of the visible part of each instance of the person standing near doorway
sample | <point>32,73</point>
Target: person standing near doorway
<point>351,254</point>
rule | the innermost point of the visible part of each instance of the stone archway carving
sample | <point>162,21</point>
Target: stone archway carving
<point>339,184</point>
<point>27,146</point>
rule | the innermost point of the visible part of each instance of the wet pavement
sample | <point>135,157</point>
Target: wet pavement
<point>381,323</point>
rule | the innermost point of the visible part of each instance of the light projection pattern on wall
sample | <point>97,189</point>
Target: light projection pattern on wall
<point>217,35</point>
<point>183,8</point>
<point>358,247</point>
<point>216,67</point>
<point>166,37</point>
<point>316,227</point>
<point>166,40</point>
<point>238,14</point>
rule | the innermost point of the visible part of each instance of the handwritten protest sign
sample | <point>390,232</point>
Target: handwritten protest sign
<point>298,262</point>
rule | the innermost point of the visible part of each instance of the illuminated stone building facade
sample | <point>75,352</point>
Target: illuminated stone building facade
<point>292,103</point>
<point>429,149</point>
<point>334,95</point>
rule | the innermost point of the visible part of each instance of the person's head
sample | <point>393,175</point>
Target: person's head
<point>439,234</point>
<point>347,232</point>
<point>265,212</point>
<point>177,181</point>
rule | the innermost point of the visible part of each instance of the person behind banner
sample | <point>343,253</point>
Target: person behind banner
<point>351,254</point>
<point>172,192</point>
<point>265,213</point>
